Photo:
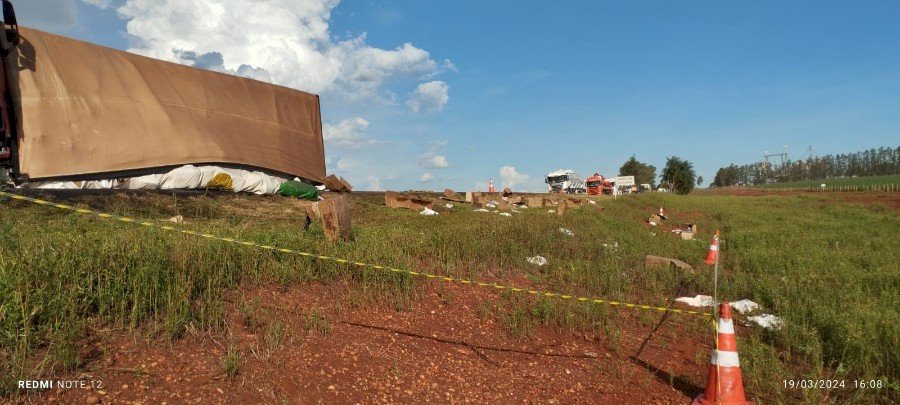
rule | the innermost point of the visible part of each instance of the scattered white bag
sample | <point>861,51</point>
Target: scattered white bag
<point>448,206</point>
<point>506,214</point>
<point>697,301</point>
<point>428,211</point>
<point>257,183</point>
<point>566,232</point>
<point>551,211</point>
<point>481,210</point>
<point>102,184</point>
<point>489,205</point>
<point>147,182</point>
<point>744,306</point>
<point>188,176</point>
<point>55,185</point>
<point>767,321</point>
<point>537,260</point>
<point>592,201</point>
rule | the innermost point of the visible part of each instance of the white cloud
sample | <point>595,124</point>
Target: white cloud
<point>432,161</point>
<point>103,4</point>
<point>426,177</point>
<point>510,177</point>
<point>429,97</point>
<point>374,183</point>
<point>49,15</point>
<point>345,163</point>
<point>349,133</point>
<point>286,42</point>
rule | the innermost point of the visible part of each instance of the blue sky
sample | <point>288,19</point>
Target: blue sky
<point>537,86</point>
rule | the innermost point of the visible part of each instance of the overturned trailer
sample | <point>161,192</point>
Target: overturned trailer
<point>73,110</point>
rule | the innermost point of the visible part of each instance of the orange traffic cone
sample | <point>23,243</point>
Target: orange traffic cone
<point>491,187</point>
<point>713,252</point>
<point>662,214</point>
<point>724,384</point>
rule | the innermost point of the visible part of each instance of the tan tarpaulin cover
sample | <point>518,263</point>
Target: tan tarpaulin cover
<point>88,109</point>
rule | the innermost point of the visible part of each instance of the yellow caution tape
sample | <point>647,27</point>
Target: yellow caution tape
<point>353,262</point>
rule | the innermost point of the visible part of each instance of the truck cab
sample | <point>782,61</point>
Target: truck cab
<point>597,185</point>
<point>565,181</point>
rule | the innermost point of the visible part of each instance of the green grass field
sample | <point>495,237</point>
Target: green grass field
<point>860,182</point>
<point>828,268</point>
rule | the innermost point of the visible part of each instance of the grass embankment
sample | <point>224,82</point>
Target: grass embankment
<point>859,183</point>
<point>828,268</point>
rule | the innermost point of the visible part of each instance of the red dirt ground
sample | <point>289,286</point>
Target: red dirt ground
<point>433,351</point>
<point>891,200</point>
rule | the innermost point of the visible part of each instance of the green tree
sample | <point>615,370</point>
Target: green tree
<point>680,174</point>
<point>699,181</point>
<point>642,172</point>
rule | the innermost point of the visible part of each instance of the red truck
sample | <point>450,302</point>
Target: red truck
<point>598,184</point>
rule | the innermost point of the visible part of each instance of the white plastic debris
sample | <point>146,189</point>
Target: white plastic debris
<point>481,210</point>
<point>652,223</point>
<point>490,205</point>
<point>495,211</point>
<point>612,246</point>
<point>522,206</point>
<point>767,321</point>
<point>537,260</point>
<point>493,202</point>
<point>320,187</point>
<point>506,214</point>
<point>592,202</point>
<point>551,211</point>
<point>566,232</point>
<point>697,301</point>
<point>177,219</point>
<point>448,205</point>
<point>428,211</point>
<point>744,306</point>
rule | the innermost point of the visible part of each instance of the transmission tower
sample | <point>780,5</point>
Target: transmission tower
<point>783,155</point>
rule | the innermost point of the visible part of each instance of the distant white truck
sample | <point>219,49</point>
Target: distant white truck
<point>565,181</point>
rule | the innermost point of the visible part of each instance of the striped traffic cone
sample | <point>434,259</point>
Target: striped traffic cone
<point>724,384</point>
<point>713,252</point>
<point>491,186</point>
<point>662,214</point>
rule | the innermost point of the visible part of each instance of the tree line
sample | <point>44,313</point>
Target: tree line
<point>872,162</point>
<point>678,175</point>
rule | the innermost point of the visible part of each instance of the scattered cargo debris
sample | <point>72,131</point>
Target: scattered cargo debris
<point>767,321</point>
<point>654,261</point>
<point>505,214</point>
<point>448,206</point>
<point>566,232</point>
<point>339,184</point>
<point>686,231</point>
<point>335,214</point>
<point>451,195</point>
<point>428,211</point>
<point>537,260</point>
<point>744,306</point>
<point>396,200</point>
<point>697,301</point>
<point>534,202</point>
<point>297,189</point>
<point>177,219</point>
